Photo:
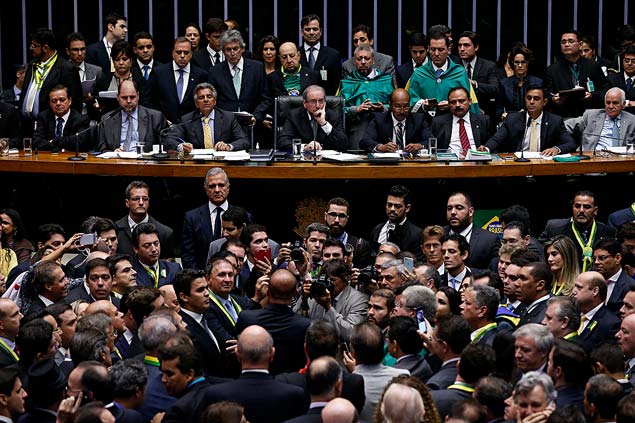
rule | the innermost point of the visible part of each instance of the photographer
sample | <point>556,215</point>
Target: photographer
<point>329,297</point>
<point>305,259</point>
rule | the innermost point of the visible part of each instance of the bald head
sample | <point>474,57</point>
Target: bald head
<point>255,348</point>
<point>400,104</point>
<point>289,56</point>
<point>402,401</point>
<point>282,287</point>
<point>626,336</point>
<point>339,410</point>
<point>98,254</point>
<point>102,306</point>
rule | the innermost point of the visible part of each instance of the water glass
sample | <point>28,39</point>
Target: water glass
<point>28,147</point>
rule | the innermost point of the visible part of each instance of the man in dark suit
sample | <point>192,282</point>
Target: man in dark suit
<point>51,285</point>
<point>212,54</point>
<point>46,70</point>
<point>625,79</point>
<point>207,127</point>
<point>460,130</point>
<point>287,328</point>
<point>479,308</point>
<point>293,78</point>
<point>406,348</point>
<point>202,225</point>
<point>240,82</point>
<point>151,271</point>
<point>532,343</point>
<point>76,51</point>
<point>170,88</point>
<point>418,53</point>
<point>11,386</point>
<point>58,126</point>
<point>363,34</point>
<point>599,324</point>
<point>533,290</point>
<point>336,217</point>
<point>46,391</point>
<point>484,244</point>
<point>318,57</point>
<point>10,124</point>
<point>98,285</point>
<point>449,337</point>
<point>583,229</point>
<point>99,53</point>
<point>481,72</point>
<point>535,131</point>
<point>607,258</point>
<point>314,124</point>
<point>133,125</point>
<point>398,228</point>
<point>136,304</point>
<point>143,47</point>
<point>619,217</point>
<point>9,326</point>
<point>455,251</point>
<point>396,129</point>
<point>256,389</point>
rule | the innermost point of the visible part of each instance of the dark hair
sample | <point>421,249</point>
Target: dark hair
<point>223,412</point>
<point>308,18</point>
<point>139,301</point>
<point>237,215</point>
<point>7,380</point>
<point>625,412</point>
<point>572,31</point>
<point>604,393</point>
<point>363,28</point>
<point>522,228</point>
<point>400,191</point>
<point>525,52</point>
<point>573,361</point>
<point>485,295</point>
<point>119,47</point>
<point>403,330</point>
<point>336,268</point>
<point>626,230</point>
<point>95,263</point>
<point>183,282</point>
<point>609,244</point>
<point>114,260</point>
<point>540,270</point>
<point>128,375</point>
<point>523,257</point>
<point>610,355</point>
<point>187,354</point>
<point>339,201</point>
<point>33,338</point>
<point>473,36</point>
<point>57,309</point>
<point>491,392</point>
<point>103,225</point>
<point>367,342</point>
<point>584,193</point>
<point>418,39</point>
<point>454,331</point>
<point>43,275</point>
<point>454,299</point>
<point>388,295</point>
<point>316,227</point>
<point>88,344</point>
<point>261,45</point>
<point>467,410</point>
<point>74,36</point>
<point>46,231</point>
<point>15,217</point>
<point>458,88</point>
<point>141,35</point>
<point>112,18</point>
<point>44,36</point>
<point>143,228</point>
<point>135,185</point>
<point>477,361</point>
<point>214,25</point>
<point>568,414</point>
<point>537,88</point>
<point>464,246</point>
<point>517,213</point>
<point>247,233</point>
<point>321,381</point>
<point>98,380</point>
<point>321,339</point>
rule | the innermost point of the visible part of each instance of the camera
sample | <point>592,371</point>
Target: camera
<point>367,274</point>
<point>297,252</point>
<point>320,285</point>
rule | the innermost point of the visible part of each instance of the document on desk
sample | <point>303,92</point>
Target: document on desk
<point>617,150</point>
<point>341,157</point>
<point>537,155</point>
<point>395,155</point>
<point>118,155</point>
<point>232,155</point>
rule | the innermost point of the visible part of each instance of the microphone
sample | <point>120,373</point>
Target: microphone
<point>522,158</point>
<point>595,147</point>
<point>163,155</point>
<point>77,157</point>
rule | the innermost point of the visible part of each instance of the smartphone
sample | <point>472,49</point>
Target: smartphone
<point>261,254</point>
<point>344,347</point>
<point>88,239</point>
<point>432,101</point>
<point>409,262</point>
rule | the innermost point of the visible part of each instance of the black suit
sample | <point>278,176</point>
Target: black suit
<point>509,136</point>
<point>37,416</point>
<point>622,286</point>
<point>226,322</point>
<point>6,359</point>
<point>484,246</point>
<point>600,329</point>
<point>160,91</point>
<point>253,88</point>
<point>617,80</point>
<point>380,130</point>
<point>287,329</point>
<point>123,415</point>
<point>226,129</point>
<point>36,306</point>
<point>352,386</point>
<point>265,399</point>
<point>403,73</point>
<point>124,237</point>
<point>484,73</point>
<point>408,236</point>
<point>184,408</point>
<point>96,54</point>
<point>444,398</point>
<point>442,129</point>
<point>536,315</point>
<point>328,59</point>
<point>131,350</point>
<point>275,81</point>
<point>298,125</point>
<point>167,273</point>
<point>215,360</point>
<point>201,58</point>
<point>314,415</point>
<point>196,236</point>
<point>44,136</point>
<point>10,124</point>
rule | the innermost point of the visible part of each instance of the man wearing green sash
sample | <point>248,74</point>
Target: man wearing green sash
<point>365,90</point>
<point>430,84</point>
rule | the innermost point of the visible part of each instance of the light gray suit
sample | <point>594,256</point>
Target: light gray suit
<point>151,123</point>
<point>590,126</point>
<point>385,63</point>
<point>376,377</point>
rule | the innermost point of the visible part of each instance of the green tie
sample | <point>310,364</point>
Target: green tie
<point>236,80</point>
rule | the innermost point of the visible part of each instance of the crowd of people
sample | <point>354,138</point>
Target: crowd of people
<point>210,96</point>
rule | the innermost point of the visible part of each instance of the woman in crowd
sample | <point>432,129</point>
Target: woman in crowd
<point>562,258</point>
<point>448,302</point>
<point>267,53</point>
<point>12,235</point>
<point>224,412</point>
<point>511,96</point>
<point>193,34</point>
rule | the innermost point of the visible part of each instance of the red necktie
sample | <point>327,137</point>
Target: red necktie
<point>465,141</point>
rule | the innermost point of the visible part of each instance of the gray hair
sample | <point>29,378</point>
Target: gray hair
<point>486,296</point>
<point>126,376</point>
<point>215,171</point>
<point>392,245</point>
<point>540,334</point>
<point>364,47</point>
<point>87,345</point>
<point>566,308</point>
<point>420,297</point>
<point>232,36</point>
<point>616,90</point>
<point>532,379</point>
<point>100,321</point>
<point>402,403</point>
<point>307,90</point>
<point>394,263</point>
<point>206,86</point>
<point>317,227</point>
<point>155,331</point>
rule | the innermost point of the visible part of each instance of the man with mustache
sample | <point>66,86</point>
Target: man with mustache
<point>336,216</point>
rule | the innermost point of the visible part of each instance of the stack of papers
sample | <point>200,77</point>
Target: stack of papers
<point>119,155</point>
<point>537,155</point>
<point>478,155</point>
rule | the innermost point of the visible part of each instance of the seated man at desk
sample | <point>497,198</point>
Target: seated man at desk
<point>57,127</point>
<point>133,125</point>
<point>207,127</point>
<point>314,124</point>
<point>396,129</point>
<point>535,131</point>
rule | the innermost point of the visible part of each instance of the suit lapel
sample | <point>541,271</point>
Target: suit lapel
<point>191,84</point>
<point>228,79</point>
<point>116,130</point>
<point>197,129</point>
<point>218,126</point>
<point>52,75</point>
<point>544,131</point>
<point>143,124</point>
<point>476,125</point>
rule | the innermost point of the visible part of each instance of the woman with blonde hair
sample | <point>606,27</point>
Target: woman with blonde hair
<point>562,258</point>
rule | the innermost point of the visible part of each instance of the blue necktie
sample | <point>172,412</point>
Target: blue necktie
<point>179,84</point>
<point>311,58</point>
<point>439,72</point>
<point>615,134</point>
<point>58,129</point>
<point>629,84</point>
<point>146,73</point>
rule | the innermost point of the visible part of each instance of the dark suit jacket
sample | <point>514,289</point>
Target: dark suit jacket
<point>103,84</point>
<point>602,328</point>
<point>80,293</point>
<point>215,360</point>
<point>622,286</point>
<point>380,130</point>
<point>617,218</point>
<point>617,80</point>
<point>124,237</point>
<point>184,408</point>
<point>314,415</point>
<point>265,399</point>
<point>329,59</point>
<point>275,81</point>
<point>150,124</point>
<point>201,59</point>
<point>97,54</point>
<point>484,246</point>
<point>196,237</point>
<point>167,268</point>
<point>228,325</point>
<point>484,73</point>
<point>445,398</point>
<point>407,236</point>
<point>10,124</point>
<point>157,398</point>
<point>37,416</point>
<point>287,329</point>
<point>44,136</point>
<point>226,129</point>
<point>36,306</point>
<point>570,395</point>
<point>253,88</point>
<point>362,251</point>
<point>509,136</point>
<point>505,101</point>
<point>6,359</point>
<point>125,415</point>
<point>403,73</point>
<point>442,129</point>
<point>160,91</point>
<point>535,316</point>
<point>416,365</point>
<point>352,386</point>
<point>298,125</point>
<point>131,350</point>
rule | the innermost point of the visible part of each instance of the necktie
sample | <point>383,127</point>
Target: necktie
<point>231,310</point>
<point>179,84</point>
<point>629,84</point>
<point>533,137</point>
<point>469,71</point>
<point>207,134</point>
<point>58,129</point>
<point>311,58</point>
<point>128,142</point>
<point>399,135</point>
<point>454,283</point>
<point>146,72</point>
<point>82,75</point>
<point>314,126</point>
<point>216,58</point>
<point>615,134</point>
<point>209,332</point>
<point>439,72</point>
<point>583,320</point>
<point>217,226</point>
<point>237,80</point>
<point>465,141</point>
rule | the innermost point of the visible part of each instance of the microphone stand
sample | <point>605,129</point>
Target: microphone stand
<point>582,156</point>
<point>161,155</point>
<point>522,158</point>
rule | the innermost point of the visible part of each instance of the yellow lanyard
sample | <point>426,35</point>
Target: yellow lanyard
<point>633,208</point>
<point>41,70</point>
<point>462,386</point>
<point>488,327</point>
<point>570,336</point>
<point>587,250</point>
<point>557,289</point>
<point>222,306</point>
<point>8,349</point>
<point>153,274</point>
<point>152,361</point>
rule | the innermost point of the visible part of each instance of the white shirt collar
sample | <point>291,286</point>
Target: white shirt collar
<point>308,47</point>
<point>445,66</point>
<point>128,335</point>
<point>45,300</point>
<point>176,67</point>
<point>198,317</point>
<point>538,119</point>
<point>535,303</point>
<point>471,62</point>
<point>589,314</point>
<point>133,224</point>
<point>149,64</point>
<point>213,206</point>
<point>616,276</point>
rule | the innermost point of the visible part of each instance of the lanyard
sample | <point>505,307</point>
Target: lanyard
<point>151,361</point>
<point>222,306</point>
<point>633,208</point>
<point>462,386</point>
<point>557,289</point>
<point>587,250</point>
<point>487,328</point>
<point>153,274</point>
<point>8,349</point>
<point>570,336</point>
<point>42,70</point>
<point>195,381</point>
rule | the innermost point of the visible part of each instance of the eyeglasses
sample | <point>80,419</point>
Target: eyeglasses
<point>316,101</point>
<point>520,63</point>
<point>568,41</point>
<point>334,215</point>
<point>629,61</point>
<point>399,108</point>
<point>602,258</point>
